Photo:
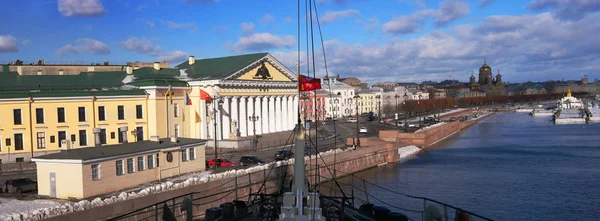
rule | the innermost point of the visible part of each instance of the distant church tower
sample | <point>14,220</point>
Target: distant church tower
<point>485,73</point>
<point>472,79</point>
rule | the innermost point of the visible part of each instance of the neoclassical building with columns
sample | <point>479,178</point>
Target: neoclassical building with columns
<point>248,85</point>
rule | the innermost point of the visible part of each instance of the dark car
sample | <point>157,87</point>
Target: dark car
<point>20,185</point>
<point>250,160</point>
<point>283,155</point>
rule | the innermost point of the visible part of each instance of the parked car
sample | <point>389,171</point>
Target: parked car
<point>351,120</point>
<point>250,160</point>
<point>20,185</point>
<point>220,162</point>
<point>363,130</point>
<point>283,155</point>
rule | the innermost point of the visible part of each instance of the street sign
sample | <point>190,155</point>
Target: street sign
<point>396,116</point>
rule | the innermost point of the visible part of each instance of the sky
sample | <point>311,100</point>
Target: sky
<point>373,40</point>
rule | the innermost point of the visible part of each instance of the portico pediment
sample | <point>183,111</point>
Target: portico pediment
<point>265,69</point>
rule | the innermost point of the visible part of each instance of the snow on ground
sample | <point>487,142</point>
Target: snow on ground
<point>9,206</point>
<point>50,210</point>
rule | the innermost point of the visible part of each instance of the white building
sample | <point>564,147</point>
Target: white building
<point>345,103</point>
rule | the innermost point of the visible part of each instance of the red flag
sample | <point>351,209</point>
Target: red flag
<point>309,84</point>
<point>205,96</point>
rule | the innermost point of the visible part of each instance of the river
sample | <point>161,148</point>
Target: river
<point>510,166</point>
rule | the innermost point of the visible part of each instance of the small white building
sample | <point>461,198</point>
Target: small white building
<point>345,93</point>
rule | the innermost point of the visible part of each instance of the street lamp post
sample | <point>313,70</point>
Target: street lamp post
<point>378,97</point>
<point>357,98</point>
<point>397,113</point>
<point>220,103</point>
<point>405,114</point>
<point>254,118</point>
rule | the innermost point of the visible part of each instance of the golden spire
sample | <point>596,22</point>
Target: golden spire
<point>569,92</point>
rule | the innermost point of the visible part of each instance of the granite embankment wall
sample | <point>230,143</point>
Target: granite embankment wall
<point>424,139</point>
<point>213,193</point>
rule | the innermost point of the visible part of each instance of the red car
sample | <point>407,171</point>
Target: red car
<point>220,162</point>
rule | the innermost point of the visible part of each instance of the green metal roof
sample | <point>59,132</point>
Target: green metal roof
<point>148,72</point>
<point>218,68</point>
<point>79,93</point>
<point>158,82</point>
<point>84,80</point>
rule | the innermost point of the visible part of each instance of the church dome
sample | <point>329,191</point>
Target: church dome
<point>485,67</point>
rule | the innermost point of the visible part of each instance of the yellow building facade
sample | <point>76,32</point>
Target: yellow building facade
<point>367,102</point>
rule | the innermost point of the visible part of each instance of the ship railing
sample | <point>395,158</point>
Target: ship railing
<point>361,191</point>
<point>242,188</point>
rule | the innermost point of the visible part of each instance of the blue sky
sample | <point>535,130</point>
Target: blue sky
<point>375,40</point>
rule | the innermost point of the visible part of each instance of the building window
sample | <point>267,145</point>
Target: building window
<point>39,115</point>
<point>157,160</point>
<point>18,141</point>
<point>139,131</point>
<point>192,153</point>
<point>61,114</point>
<point>102,136</point>
<point>41,140</point>
<point>112,135</point>
<point>176,110</point>
<point>150,159</point>
<point>130,165</point>
<point>96,171</point>
<point>121,112</point>
<point>20,160</point>
<point>140,163</point>
<point>101,113</point>
<point>138,112</point>
<point>184,155</point>
<point>81,111</point>
<point>120,135</point>
<point>119,167</point>
<point>52,139</point>
<point>62,135</point>
<point>176,130</point>
<point>82,138</point>
<point>17,117</point>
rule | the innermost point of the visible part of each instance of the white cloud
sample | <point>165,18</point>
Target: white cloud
<point>527,47</point>
<point>485,3</point>
<point>261,42</point>
<point>83,8</point>
<point>370,24</point>
<point>173,56</point>
<point>247,28</point>
<point>147,22</point>
<point>268,18</point>
<point>567,9</point>
<point>82,45</point>
<point>189,26</point>
<point>333,16</point>
<point>141,45</point>
<point>8,43</point>
<point>288,20</point>
<point>407,24</point>
<point>451,10</point>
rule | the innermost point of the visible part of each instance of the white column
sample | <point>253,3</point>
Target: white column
<point>272,114</point>
<point>264,116</point>
<point>243,120</point>
<point>217,114</point>
<point>278,114</point>
<point>202,113</point>
<point>234,113</point>
<point>295,107</point>
<point>284,114</point>
<point>292,113</point>
<point>226,124</point>
<point>250,111</point>
<point>258,111</point>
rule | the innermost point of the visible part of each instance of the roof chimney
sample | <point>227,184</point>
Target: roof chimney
<point>61,72</point>
<point>191,60</point>
<point>173,139</point>
<point>39,72</point>
<point>129,70</point>
<point>154,138</point>
<point>156,66</point>
<point>97,136</point>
